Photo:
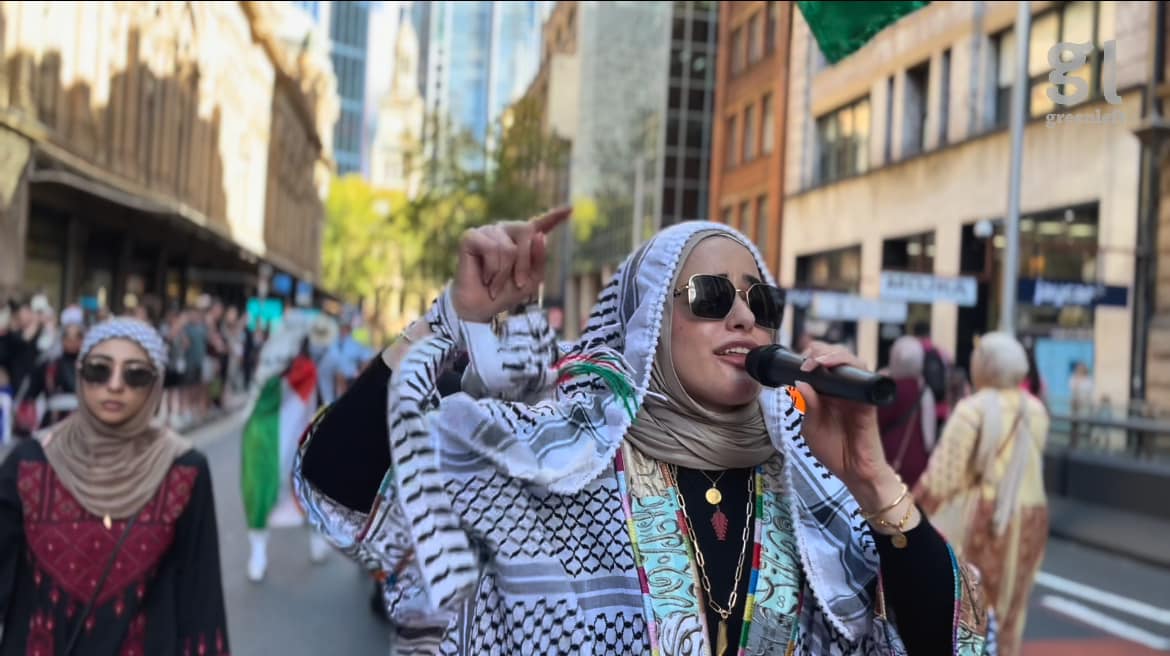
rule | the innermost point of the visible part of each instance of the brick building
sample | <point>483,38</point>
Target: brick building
<point>747,154</point>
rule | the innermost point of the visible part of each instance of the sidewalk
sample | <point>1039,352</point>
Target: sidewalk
<point>1137,536</point>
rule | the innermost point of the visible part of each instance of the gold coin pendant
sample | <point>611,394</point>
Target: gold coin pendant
<point>714,496</point>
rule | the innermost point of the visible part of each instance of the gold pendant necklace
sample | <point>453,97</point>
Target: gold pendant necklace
<point>714,497</point>
<point>721,639</point>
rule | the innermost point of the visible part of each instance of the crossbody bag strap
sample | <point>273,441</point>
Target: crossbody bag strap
<point>909,427</point>
<point>1009,437</point>
<point>98,590</point>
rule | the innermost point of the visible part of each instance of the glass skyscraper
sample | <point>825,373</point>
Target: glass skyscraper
<point>477,58</point>
<point>349,31</point>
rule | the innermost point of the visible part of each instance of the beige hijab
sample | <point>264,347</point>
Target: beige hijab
<point>672,427</point>
<point>113,471</point>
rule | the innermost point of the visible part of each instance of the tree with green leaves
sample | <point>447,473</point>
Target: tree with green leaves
<point>394,253</point>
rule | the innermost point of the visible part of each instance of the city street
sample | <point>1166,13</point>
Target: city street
<point>1086,603</point>
<point>300,609</point>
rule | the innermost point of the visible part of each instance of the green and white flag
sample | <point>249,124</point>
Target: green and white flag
<point>842,28</point>
<point>283,410</point>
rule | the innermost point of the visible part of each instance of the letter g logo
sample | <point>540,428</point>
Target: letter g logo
<point>1061,69</point>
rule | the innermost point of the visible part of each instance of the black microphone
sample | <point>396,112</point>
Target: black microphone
<point>776,366</point>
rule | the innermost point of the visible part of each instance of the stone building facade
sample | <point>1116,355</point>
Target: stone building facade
<point>156,148</point>
<point>898,161</point>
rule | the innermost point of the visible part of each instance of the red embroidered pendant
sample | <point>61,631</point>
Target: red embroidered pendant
<point>719,523</point>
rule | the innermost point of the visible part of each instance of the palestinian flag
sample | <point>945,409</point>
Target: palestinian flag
<point>842,28</point>
<point>282,412</point>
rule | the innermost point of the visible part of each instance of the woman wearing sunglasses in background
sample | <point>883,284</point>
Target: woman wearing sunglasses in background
<point>108,542</point>
<point>634,492</point>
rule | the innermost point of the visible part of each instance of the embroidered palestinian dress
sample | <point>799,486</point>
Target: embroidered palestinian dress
<point>163,595</point>
<point>512,518</point>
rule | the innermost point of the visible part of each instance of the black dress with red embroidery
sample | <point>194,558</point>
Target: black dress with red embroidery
<point>164,594</point>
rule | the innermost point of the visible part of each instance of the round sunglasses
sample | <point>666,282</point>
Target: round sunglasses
<point>712,297</point>
<point>100,373</point>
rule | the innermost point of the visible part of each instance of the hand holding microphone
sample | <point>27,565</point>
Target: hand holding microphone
<point>839,423</point>
<point>775,366</point>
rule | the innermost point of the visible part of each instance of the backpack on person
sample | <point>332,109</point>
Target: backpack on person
<point>934,372</point>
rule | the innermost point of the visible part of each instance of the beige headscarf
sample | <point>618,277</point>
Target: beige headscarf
<point>672,427</point>
<point>113,471</point>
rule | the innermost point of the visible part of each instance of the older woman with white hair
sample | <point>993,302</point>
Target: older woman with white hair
<point>984,484</point>
<point>908,425</point>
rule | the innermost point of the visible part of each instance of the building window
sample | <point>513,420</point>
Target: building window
<point>1003,47</point>
<point>1070,22</point>
<point>915,109</point>
<point>843,142</point>
<point>755,38</point>
<point>914,253</point>
<point>749,134</point>
<point>767,127</point>
<point>888,146</point>
<point>737,51</point>
<point>944,93</point>
<point>837,271</point>
<point>745,220</point>
<point>728,217</point>
<point>729,133</point>
<point>770,29</point>
<point>762,221</point>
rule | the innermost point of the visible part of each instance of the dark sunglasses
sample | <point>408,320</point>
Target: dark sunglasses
<point>712,297</point>
<point>99,373</point>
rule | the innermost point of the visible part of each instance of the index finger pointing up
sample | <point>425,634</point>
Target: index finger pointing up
<point>551,219</point>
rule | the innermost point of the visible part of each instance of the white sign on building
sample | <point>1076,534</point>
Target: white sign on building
<point>927,288</point>
<point>834,306</point>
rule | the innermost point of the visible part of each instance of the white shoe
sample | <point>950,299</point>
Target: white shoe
<point>258,562</point>
<point>318,549</point>
<point>256,568</point>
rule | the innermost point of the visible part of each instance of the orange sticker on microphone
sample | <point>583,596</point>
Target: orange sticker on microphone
<point>797,398</point>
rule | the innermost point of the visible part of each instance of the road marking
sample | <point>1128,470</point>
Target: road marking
<point>1099,620</point>
<point>1097,596</point>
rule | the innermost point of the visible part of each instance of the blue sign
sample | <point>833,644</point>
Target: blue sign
<point>282,284</point>
<point>1063,293</point>
<point>265,312</point>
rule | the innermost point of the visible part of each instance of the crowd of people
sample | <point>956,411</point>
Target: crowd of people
<point>547,458</point>
<point>110,470</point>
<point>972,451</point>
<point>210,358</point>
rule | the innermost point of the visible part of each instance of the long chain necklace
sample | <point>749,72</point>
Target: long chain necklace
<point>724,613</point>
<point>715,497</point>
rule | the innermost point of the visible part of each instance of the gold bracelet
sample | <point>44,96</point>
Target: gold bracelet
<point>899,538</point>
<point>406,337</point>
<point>901,497</point>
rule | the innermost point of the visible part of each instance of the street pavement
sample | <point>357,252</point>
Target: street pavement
<point>1092,603</point>
<point>1086,602</point>
<point>300,609</point>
